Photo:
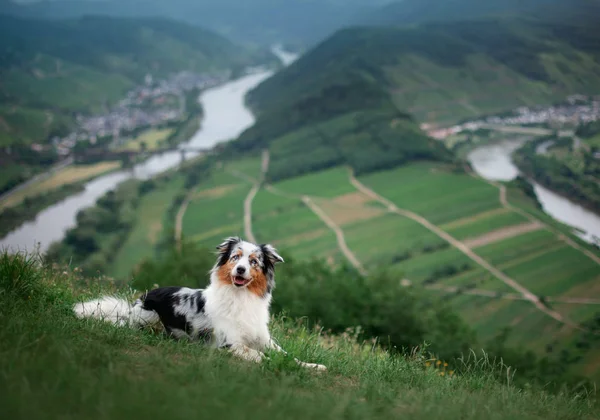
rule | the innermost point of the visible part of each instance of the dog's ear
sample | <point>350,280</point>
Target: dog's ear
<point>224,249</point>
<point>271,254</point>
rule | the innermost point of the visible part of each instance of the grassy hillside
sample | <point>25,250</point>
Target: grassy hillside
<point>441,72</point>
<point>90,369</point>
<point>50,69</point>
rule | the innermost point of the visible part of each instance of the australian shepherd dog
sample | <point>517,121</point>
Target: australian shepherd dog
<point>232,312</point>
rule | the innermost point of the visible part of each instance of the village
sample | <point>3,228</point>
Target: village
<point>574,111</point>
<point>152,104</point>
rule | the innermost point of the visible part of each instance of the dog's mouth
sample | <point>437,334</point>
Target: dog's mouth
<point>240,281</point>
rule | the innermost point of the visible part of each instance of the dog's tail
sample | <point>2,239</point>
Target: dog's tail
<point>116,311</point>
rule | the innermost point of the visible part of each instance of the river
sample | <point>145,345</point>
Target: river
<point>494,162</point>
<point>225,118</point>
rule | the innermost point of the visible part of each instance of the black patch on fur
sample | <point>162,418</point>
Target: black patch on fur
<point>163,301</point>
<point>225,250</point>
<point>268,267</point>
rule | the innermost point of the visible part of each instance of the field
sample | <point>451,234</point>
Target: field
<point>151,225</point>
<point>152,139</point>
<point>69,175</point>
<point>76,368</point>
<point>463,206</point>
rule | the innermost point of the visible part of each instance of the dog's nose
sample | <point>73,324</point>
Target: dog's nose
<point>241,270</point>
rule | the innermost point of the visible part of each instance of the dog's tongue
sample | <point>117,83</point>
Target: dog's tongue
<point>239,280</point>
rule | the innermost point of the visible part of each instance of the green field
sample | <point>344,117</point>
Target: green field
<point>329,183</point>
<point>490,222</point>
<point>434,193</point>
<point>462,205</point>
<point>151,224</point>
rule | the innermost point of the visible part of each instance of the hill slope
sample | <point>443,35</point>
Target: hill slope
<point>419,11</point>
<point>441,72</point>
<point>259,21</point>
<point>50,69</point>
<point>71,367</point>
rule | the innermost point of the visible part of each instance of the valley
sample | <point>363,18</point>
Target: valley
<point>430,178</point>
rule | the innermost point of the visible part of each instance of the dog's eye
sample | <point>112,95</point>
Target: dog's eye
<point>254,262</point>
<point>235,258</point>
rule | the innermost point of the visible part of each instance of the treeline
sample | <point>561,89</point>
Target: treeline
<point>398,318</point>
<point>19,162</point>
<point>558,176</point>
<point>101,230</point>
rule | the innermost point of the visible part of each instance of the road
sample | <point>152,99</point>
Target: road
<point>179,218</point>
<point>248,233</point>
<point>341,240</point>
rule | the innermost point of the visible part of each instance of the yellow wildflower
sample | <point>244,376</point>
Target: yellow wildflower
<point>445,364</point>
<point>439,362</point>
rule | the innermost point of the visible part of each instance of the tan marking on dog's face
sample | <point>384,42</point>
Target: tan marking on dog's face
<point>258,286</point>
<point>224,272</point>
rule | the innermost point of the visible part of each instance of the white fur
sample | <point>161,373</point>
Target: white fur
<point>237,315</point>
<point>116,311</point>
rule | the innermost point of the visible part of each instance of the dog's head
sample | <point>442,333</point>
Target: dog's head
<point>242,264</point>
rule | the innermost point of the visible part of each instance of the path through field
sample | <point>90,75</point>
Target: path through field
<point>250,197</point>
<point>528,295</point>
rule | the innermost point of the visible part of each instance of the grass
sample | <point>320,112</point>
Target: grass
<point>149,228</point>
<point>434,193</point>
<point>69,175</point>
<point>328,183</point>
<point>76,368</point>
<point>484,225</point>
<point>216,211</point>
<point>153,139</point>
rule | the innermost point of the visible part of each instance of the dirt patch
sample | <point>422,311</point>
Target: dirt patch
<point>303,237</point>
<point>352,199</point>
<point>502,234</point>
<point>154,232</point>
<point>477,217</point>
<point>215,192</point>
<point>589,289</point>
<point>343,213</point>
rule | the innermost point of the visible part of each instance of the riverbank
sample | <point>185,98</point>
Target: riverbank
<point>493,161</point>
<point>558,176</point>
<point>25,204</point>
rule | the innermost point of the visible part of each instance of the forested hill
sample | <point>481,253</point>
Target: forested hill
<point>128,47</point>
<point>420,11</point>
<point>441,72</point>
<point>50,69</point>
<point>257,21</point>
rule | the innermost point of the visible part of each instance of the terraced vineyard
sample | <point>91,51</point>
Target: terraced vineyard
<point>463,206</point>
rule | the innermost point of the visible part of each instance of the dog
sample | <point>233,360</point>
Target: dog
<point>232,312</point>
